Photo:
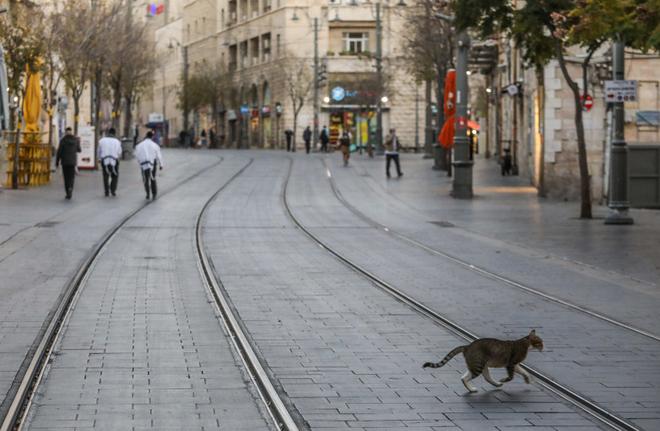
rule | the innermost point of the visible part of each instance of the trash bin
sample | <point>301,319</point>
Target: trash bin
<point>126,148</point>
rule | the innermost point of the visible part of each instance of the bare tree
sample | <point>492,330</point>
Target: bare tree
<point>299,83</point>
<point>73,31</point>
<point>430,47</point>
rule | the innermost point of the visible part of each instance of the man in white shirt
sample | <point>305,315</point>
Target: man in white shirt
<point>149,157</point>
<point>109,155</point>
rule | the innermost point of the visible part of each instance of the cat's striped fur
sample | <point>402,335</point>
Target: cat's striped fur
<point>487,353</point>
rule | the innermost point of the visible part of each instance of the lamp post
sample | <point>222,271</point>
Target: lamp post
<point>379,76</point>
<point>462,183</point>
<point>618,196</point>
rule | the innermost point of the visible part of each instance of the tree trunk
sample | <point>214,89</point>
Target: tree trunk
<point>76,114</point>
<point>116,105</point>
<point>541,106</point>
<point>97,110</point>
<point>585,180</point>
<point>128,116</point>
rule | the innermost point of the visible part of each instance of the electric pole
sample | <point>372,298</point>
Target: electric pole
<point>379,75</point>
<point>618,196</point>
<point>462,185</point>
<point>316,83</point>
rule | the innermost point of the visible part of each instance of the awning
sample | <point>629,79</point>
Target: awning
<point>473,125</point>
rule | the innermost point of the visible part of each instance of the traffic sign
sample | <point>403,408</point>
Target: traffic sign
<point>587,102</point>
<point>620,91</point>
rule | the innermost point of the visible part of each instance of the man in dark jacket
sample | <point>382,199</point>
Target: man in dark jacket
<point>324,138</point>
<point>307,137</point>
<point>67,153</point>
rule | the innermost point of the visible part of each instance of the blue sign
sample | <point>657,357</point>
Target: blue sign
<point>245,109</point>
<point>338,94</point>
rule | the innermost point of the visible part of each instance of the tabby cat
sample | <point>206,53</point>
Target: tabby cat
<point>489,352</point>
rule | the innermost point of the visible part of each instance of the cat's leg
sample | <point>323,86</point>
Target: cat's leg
<point>519,370</point>
<point>489,379</point>
<point>509,369</point>
<point>466,381</point>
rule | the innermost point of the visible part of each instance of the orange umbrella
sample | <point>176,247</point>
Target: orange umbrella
<point>446,137</point>
<point>32,101</point>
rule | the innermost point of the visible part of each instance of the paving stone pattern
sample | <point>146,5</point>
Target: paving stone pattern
<point>613,366</point>
<point>345,354</point>
<point>44,238</point>
<point>143,348</point>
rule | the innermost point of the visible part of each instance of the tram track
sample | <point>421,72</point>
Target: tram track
<point>274,404</point>
<point>584,404</point>
<point>480,270</point>
<point>19,408</point>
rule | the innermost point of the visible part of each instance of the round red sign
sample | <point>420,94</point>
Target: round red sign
<point>587,102</point>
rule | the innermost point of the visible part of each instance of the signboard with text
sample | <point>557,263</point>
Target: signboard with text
<point>620,91</point>
<point>86,156</point>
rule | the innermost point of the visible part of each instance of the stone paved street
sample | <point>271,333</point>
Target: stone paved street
<point>145,348</point>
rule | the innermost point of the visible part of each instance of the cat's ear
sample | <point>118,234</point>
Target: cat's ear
<point>532,332</point>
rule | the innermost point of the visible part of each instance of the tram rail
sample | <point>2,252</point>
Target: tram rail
<point>584,404</point>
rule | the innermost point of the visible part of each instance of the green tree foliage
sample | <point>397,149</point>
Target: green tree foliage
<point>544,28</point>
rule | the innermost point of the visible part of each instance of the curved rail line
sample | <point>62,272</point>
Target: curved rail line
<point>591,408</point>
<point>19,408</point>
<point>22,399</point>
<point>479,270</point>
<point>267,391</point>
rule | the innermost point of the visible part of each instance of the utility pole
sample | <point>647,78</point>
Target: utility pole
<point>428,135</point>
<point>316,83</point>
<point>379,74</point>
<point>462,184</point>
<point>618,197</point>
<point>417,118</point>
<point>184,48</point>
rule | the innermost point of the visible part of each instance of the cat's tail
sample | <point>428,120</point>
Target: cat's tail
<point>446,359</point>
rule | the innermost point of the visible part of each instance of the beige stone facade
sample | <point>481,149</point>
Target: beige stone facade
<point>260,39</point>
<point>543,136</point>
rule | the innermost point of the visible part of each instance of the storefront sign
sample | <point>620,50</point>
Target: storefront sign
<point>86,155</point>
<point>338,94</point>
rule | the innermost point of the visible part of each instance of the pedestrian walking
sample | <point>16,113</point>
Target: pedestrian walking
<point>307,137</point>
<point>67,154</point>
<point>109,154</point>
<point>324,137</point>
<point>149,157</point>
<point>202,138</point>
<point>289,139</point>
<point>345,144</point>
<point>392,146</point>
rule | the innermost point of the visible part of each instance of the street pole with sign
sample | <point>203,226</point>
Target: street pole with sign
<point>618,196</point>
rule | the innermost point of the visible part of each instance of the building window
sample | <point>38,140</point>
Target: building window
<point>356,43</point>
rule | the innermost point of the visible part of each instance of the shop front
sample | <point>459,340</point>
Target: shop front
<point>351,106</point>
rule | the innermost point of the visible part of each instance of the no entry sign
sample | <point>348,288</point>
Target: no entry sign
<point>587,102</point>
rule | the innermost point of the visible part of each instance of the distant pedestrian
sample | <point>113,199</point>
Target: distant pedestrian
<point>289,139</point>
<point>182,138</point>
<point>67,154</point>
<point>324,137</point>
<point>136,135</point>
<point>109,155</point>
<point>213,140</point>
<point>345,144</point>
<point>307,137</point>
<point>507,163</point>
<point>392,146</point>
<point>202,138</point>
<point>149,157</point>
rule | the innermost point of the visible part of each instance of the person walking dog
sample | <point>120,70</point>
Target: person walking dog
<point>149,157</point>
<point>109,155</point>
<point>67,154</point>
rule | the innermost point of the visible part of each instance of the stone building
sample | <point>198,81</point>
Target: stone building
<point>262,42</point>
<point>535,117</point>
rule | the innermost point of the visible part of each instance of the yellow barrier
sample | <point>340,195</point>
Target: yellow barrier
<point>34,159</point>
